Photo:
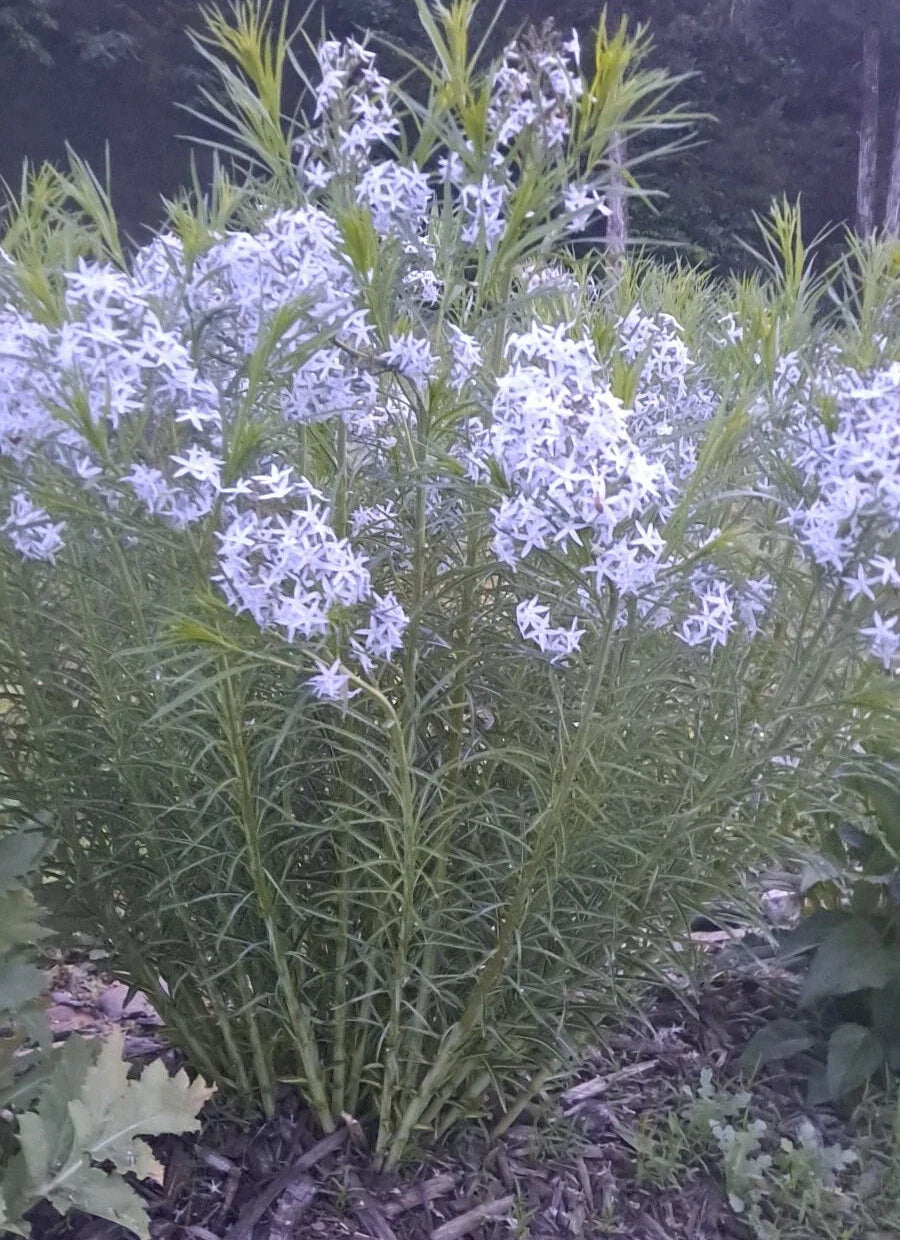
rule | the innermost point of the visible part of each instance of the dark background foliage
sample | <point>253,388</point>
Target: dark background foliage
<point>781,77</point>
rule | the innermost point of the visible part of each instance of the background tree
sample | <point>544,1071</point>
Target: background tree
<point>23,24</point>
<point>781,77</point>
<point>892,208</point>
<point>870,65</point>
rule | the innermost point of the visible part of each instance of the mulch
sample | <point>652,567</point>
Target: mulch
<point>565,1169</point>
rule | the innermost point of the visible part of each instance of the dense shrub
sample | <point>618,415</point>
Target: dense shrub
<point>404,620</point>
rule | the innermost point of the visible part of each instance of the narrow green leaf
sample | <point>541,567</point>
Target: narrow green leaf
<point>192,632</point>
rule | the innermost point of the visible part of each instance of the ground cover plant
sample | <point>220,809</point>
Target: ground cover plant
<point>695,1147</point>
<point>407,616</point>
<point>846,947</point>
<point>71,1115</point>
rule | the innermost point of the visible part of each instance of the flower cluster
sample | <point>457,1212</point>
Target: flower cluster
<point>287,569</point>
<point>120,398</point>
<point>577,483</point>
<point>850,469</point>
<point>30,530</point>
<point>282,563</point>
<point>353,106</point>
<point>292,269</point>
<point>673,399</point>
<point>178,390</point>
<point>582,202</point>
<point>398,197</point>
<point>720,607</point>
<point>575,474</point>
<point>534,88</point>
<point>533,620</point>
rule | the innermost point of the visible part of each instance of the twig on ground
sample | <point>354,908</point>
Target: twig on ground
<point>600,1084</point>
<point>294,1202</point>
<point>255,1209</point>
<point>420,1194</point>
<point>369,1212</point>
<point>464,1223</point>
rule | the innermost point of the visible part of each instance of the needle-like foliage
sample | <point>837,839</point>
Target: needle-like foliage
<point>405,621</point>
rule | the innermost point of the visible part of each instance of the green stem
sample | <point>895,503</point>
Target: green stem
<point>407,857</point>
<point>339,1054</point>
<point>543,832</point>
<point>226,1029</point>
<point>260,1054</point>
<point>341,482</point>
<point>342,856</point>
<point>534,1086</point>
<point>461,646</point>
<point>177,1013</point>
<point>300,1022</point>
<point>419,561</point>
<point>108,696</point>
<point>815,643</point>
<point>406,851</point>
<point>361,1041</point>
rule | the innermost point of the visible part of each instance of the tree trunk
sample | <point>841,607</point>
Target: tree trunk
<point>868,127</point>
<point>892,209</point>
<point>616,200</point>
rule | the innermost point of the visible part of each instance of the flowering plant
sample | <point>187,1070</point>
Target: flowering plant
<point>391,624</point>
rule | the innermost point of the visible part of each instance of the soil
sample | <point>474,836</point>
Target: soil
<point>569,1168</point>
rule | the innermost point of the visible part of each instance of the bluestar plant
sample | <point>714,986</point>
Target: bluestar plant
<point>401,632</point>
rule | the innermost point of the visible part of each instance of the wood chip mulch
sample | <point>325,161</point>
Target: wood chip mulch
<point>566,1169</point>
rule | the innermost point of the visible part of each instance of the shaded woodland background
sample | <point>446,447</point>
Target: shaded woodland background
<point>784,78</point>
